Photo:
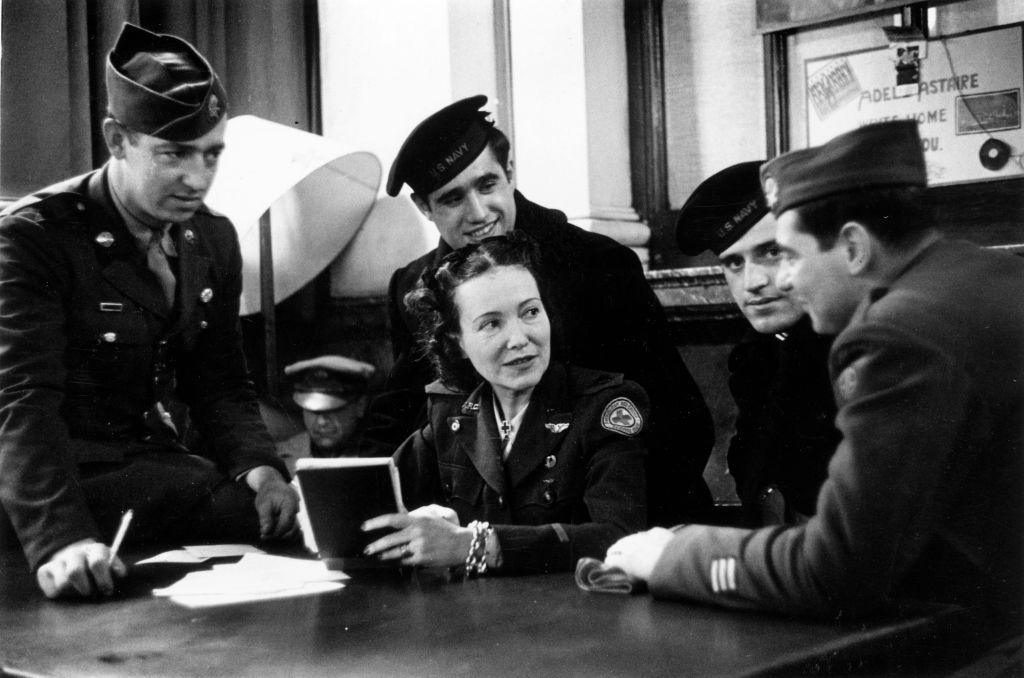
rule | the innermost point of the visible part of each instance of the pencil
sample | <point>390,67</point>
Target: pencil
<point>122,529</point>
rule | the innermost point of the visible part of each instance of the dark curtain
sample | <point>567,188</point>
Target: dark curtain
<point>52,93</point>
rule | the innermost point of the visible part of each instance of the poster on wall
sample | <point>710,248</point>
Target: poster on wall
<point>964,91</point>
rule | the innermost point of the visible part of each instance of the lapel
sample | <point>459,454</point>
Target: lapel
<point>545,425</point>
<point>121,265</point>
<point>193,271</point>
<point>477,437</point>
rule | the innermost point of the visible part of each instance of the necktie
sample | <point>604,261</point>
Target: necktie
<point>156,259</point>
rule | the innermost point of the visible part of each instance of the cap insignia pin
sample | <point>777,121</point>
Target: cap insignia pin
<point>771,191</point>
<point>214,106</point>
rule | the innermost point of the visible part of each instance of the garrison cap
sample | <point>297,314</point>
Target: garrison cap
<point>441,146</point>
<point>328,382</point>
<point>162,86</point>
<point>885,154</point>
<point>724,207</point>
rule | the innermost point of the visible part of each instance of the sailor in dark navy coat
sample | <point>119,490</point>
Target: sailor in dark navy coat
<point>526,464</point>
<point>778,372</point>
<point>122,381</point>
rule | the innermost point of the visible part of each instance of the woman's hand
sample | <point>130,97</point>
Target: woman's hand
<point>429,535</point>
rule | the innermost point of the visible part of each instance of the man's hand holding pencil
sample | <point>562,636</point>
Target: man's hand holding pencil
<point>85,567</point>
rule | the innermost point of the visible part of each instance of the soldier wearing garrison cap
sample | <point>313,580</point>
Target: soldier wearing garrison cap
<point>457,164</point>
<point>784,435</point>
<point>122,379</point>
<point>332,391</point>
<point>923,497</point>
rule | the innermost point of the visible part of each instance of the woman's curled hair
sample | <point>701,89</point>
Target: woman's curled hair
<point>432,301</point>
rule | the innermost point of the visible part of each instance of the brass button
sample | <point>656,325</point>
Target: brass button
<point>110,337</point>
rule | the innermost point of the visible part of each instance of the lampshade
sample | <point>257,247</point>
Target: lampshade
<point>318,194</point>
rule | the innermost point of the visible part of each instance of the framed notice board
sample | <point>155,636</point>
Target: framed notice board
<point>965,88</point>
<point>964,91</point>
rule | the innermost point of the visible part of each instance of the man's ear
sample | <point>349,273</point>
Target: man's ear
<point>422,206</point>
<point>116,138</point>
<point>858,247</point>
<point>510,172</point>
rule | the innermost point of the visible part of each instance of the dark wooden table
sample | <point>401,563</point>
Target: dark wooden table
<point>421,624</point>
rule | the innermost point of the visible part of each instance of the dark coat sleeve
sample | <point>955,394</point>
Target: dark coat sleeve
<point>633,338</point>
<point>400,408</point>
<point>38,482</point>
<point>751,449</point>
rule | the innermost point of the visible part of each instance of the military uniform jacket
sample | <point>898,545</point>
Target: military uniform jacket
<point>88,345</point>
<point>785,431</point>
<point>923,495</point>
<point>604,316</point>
<point>571,486</point>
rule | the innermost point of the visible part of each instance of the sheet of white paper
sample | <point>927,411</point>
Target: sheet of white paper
<point>221,550</point>
<point>257,576</point>
<point>177,556</point>
<point>194,601</point>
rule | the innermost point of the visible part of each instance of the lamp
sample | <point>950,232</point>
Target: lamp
<point>296,200</point>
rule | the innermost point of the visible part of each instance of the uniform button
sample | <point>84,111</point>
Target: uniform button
<point>548,497</point>
<point>501,502</point>
<point>162,342</point>
<point>203,324</point>
<point>80,207</point>
<point>110,337</point>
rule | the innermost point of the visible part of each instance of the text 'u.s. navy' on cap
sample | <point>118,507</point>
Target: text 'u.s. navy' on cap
<point>884,154</point>
<point>162,86</point>
<point>441,146</point>
<point>724,207</point>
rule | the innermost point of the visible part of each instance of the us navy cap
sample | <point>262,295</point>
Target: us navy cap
<point>724,207</point>
<point>441,146</point>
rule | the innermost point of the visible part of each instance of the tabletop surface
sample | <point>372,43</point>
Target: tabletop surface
<point>422,623</point>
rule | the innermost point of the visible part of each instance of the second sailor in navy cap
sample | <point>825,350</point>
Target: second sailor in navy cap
<point>332,391</point>
<point>778,372</point>
<point>459,168</point>
<point>123,381</point>
<point>923,495</point>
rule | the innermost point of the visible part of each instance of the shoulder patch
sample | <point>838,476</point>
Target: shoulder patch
<point>622,416</point>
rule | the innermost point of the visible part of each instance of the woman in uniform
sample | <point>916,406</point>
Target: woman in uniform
<point>524,465</point>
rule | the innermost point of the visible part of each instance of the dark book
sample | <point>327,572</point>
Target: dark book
<point>339,495</point>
